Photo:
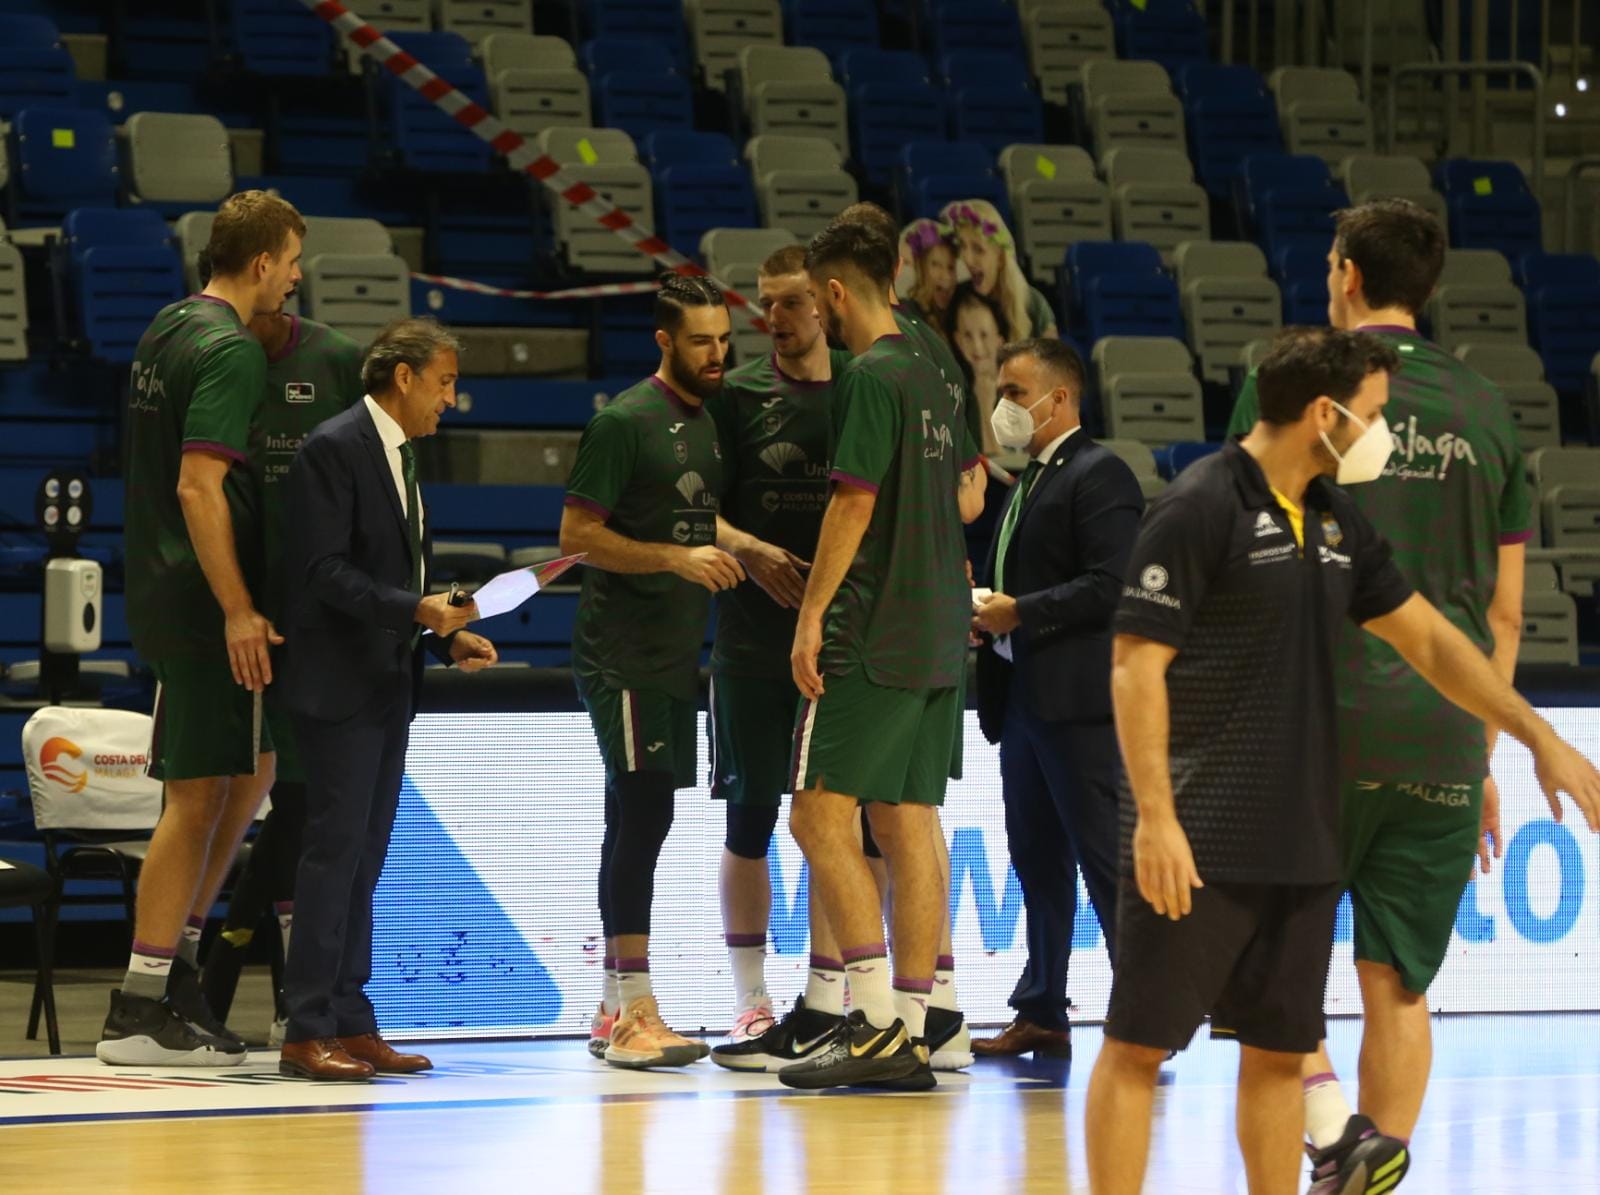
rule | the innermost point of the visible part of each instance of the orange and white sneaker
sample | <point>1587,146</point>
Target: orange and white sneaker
<point>600,1026</point>
<point>640,1039</point>
<point>752,1021</point>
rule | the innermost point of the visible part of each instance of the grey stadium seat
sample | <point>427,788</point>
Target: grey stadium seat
<point>1476,301</point>
<point>790,89</point>
<point>357,294</point>
<point>748,343</point>
<point>524,51</point>
<point>1021,164</point>
<point>1131,103</point>
<point>1571,515</point>
<point>1578,569</point>
<point>1502,363</point>
<point>13,305</point>
<point>1126,164</point>
<point>804,201</point>
<point>1536,411</point>
<point>1228,302</point>
<point>1475,267</point>
<point>178,158</point>
<point>719,29</point>
<point>571,144</point>
<point>1154,408</point>
<point>1549,629</point>
<point>478,19</point>
<point>1061,37</point>
<point>1163,214</point>
<point>360,235</point>
<point>782,151</point>
<point>1391,176</point>
<point>1550,467</point>
<point>1113,355</point>
<point>1056,200</point>
<point>529,101</point>
<point>592,247</point>
<point>1138,457</point>
<point>724,247</point>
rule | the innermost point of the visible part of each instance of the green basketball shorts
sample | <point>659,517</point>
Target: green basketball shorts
<point>875,743</point>
<point>751,730</point>
<point>643,730</point>
<point>205,723</point>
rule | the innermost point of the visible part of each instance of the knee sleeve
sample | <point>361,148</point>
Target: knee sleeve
<point>644,816</point>
<point>869,844</point>
<point>750,830</point>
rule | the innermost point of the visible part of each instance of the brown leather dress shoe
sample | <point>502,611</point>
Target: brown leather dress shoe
<point>1024,1037</point>
<point>321,1058</point>
<point>382,1057</point>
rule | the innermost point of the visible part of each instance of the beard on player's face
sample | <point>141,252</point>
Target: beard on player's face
<point>703,379</point>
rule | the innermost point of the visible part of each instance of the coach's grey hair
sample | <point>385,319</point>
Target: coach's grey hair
<point>412,341</point>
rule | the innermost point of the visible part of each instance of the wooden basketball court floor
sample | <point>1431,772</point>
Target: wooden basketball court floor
<point>1514,1109</point>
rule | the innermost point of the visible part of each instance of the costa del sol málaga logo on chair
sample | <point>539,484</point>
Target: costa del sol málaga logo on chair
<point>54,762</point>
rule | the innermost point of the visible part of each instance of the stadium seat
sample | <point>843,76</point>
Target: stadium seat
<point>26,29</point>
<point>882,66</point>
<point>1549,629</point>
<point>1563,301</point>
<point>1115,355</point>
<point>1179,455</point>
<point>700,184</point>
<point>996,114</point>
<point>804,202</point>
<point>1301,272</point>
<point>639,100</point>
<point>929,174</point>
<point>1291,217</point>
<point>525,51</point>
<point>775,151</point>
<point>1087,260</point>
<point>1392,176</point>
<point>119,290</point>
<point>279,38</point>
<point>1170,32</point>
<point>972,25</point>
<point>659,22</point>
<point>1229,116</point>
<point>1261,173</point>
<point>91,227</point>
<point>478,19</point>
<point>357,294</point>
<point>1490,207</point>
<point>1461,313</point>
<point>1132,302</point>
<point>1154,408</point>
<point>790,89</point>
<point>424,137</point>
<point>571,146</point>
<point>178,160</point>
<point>832,26</point>
<point>973,68</point>
<point>1322,112</point>
<point>1536,411</point>
<point>528,101</point>
<point>884,116</point>
<point>1056,201</point>
<point>722,248</point>
<point>1228,301</point>
<point>1502,363</point>
<point>720,29</point>
<point>35,76</point>
<point>13,305</point>
<point>1145,164</point>
<point>604,55</point>
<point>1162,214</point>
<point>1060,39</point>
<point>64,158</point>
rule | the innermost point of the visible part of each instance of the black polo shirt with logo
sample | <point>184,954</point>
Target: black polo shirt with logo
<point>1216,573</point>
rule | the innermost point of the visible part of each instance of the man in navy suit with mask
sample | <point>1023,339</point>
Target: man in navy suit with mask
<point>1044,672</point>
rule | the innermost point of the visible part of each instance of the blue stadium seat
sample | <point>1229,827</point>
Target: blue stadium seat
<point>997,115</point>
<point>976,68</point>
<point>119,292</point>
<point>1301,271</point>
<point>832,26</point>
<point>1298,216</point>
<point>657,21</point>
<point>1133,305</point>
<point>886,115</point>
<point>1173,459</point>
<point>882,66</point>
<point>279,37</point>
<point>1490,207</point>
<point>26,29</point>
<point>1197,80</point>
<point>973,25</point>
<point>700,184</point>
<point>1170,32</point>
<point>35,76</point>
<point>955,168</point>
<point>424,137</point>
<point>1230,115</point>
<point>1260,173</point>
<point>64,158</point>
<point>121,98</point>
<point>129,227</point>
<point>606,54</point>
<point>639,104</point>
<point>1563,294</point>
<point>1088,261</point>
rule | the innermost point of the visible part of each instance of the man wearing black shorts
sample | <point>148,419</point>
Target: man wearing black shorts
<point>1222,680</point>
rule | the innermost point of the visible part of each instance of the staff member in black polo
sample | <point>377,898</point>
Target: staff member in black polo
<point>1223,687</point>
<point>356,578</point>
<point>1044,691</point>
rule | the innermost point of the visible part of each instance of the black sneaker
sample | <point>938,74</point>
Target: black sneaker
<point>857,1053</point>
<point>186,996</point>
<point>800,1035</point>
<point>144,1032</point>
<point>949,1042</point>
<point>1362,1162</point>
<point>920,1079</point>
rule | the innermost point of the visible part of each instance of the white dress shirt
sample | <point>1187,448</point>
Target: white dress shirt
<point>393,436</point>
<point>1002,643</point>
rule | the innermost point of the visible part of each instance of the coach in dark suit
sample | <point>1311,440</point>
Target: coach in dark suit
<point>356,565</point>
<point>1044,672</point>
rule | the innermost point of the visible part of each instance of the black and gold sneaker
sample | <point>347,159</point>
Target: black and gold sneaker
<point>858,1053</point>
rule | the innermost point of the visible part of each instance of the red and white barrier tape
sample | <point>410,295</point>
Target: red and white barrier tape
<point>577,292</point>
<point>513,146</point>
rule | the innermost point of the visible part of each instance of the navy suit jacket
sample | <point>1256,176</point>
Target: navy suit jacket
<point>350,611</point>
<point>1065,566</point>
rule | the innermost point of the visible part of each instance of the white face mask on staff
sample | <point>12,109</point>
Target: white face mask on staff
<point>1012,423</point>
<point>1363,460</point>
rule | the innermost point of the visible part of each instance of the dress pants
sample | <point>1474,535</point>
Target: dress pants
<point>1060,782</point>
<point>353,773</point>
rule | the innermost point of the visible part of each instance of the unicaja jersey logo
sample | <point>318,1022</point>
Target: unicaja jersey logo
<point>56,762</point>
<point>692,486</point>
<point>777,457</point>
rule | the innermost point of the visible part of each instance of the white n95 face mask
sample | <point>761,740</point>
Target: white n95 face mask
<point>1365,459</point>
<point>1011,424</point>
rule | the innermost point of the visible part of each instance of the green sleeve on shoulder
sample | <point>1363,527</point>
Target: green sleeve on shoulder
<point>1246,408</point>
<point>347,368</point>
<point>229,386</point>
<point>1517,514</point>
<point>605,461</point>
<point>871,433</point>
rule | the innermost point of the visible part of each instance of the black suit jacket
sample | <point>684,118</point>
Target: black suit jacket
<point>1065,567</point>
<point>350,612</point>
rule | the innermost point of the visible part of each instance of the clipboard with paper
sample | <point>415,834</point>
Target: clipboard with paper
<point>504,593</point>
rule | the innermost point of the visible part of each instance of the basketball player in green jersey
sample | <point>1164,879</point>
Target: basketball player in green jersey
<point>1418,800</point>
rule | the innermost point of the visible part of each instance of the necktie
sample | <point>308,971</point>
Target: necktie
<point>408,473</point>
<point>1009,524</point>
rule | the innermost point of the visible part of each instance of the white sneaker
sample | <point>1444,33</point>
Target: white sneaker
<point>752,1021</point>
<point>949,1040</point>
<point>276,1034</point>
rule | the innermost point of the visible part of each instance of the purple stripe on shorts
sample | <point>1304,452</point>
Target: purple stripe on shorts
<point>283,908</point>
<point>945,962</point>
<point>851,479</point>
<point>196,922</point>
<point>856,954</point>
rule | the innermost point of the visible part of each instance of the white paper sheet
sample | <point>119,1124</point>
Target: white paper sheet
<point>509,590</point>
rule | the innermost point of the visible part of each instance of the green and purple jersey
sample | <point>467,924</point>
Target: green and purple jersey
<point>650,465</point>
<point>197,381</point>
<point>1455,490</point>
<point>902,612</point>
